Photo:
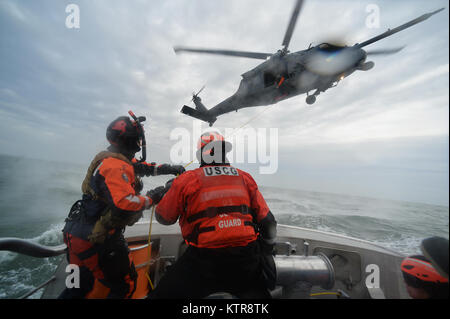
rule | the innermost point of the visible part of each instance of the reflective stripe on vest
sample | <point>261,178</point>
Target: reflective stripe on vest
<point>214,211</point>
<point>193,236</point>
<point>220,208</point>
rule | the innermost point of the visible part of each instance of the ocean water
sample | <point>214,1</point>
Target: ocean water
<point>36,195</point>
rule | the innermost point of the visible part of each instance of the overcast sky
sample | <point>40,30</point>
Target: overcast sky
<point>382,133</point>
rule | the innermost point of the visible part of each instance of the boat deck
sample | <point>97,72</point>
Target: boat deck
<point>353,260</point>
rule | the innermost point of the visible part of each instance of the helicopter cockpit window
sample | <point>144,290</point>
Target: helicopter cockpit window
<point>329,47</point>
<point>269,79</point>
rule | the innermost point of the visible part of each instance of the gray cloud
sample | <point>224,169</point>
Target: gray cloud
<point>59,88</point>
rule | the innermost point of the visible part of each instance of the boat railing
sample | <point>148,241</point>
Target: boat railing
<point>312,269</point>
<point>29,248</point>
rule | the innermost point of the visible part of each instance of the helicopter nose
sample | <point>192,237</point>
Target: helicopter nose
<point>356,56</point>
<point>339,61</point>
<point>363,55</point>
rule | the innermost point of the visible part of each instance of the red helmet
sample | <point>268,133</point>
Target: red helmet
<point>209,141</point>
<point>126,134</point>
<point>209,137</point>
<point>422,270</point>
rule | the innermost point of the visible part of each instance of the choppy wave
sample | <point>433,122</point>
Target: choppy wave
<point>50,237</point>
<point>395,236</point>
<point>20,274</point>
<point>400,226</point>
<point>22,279</point>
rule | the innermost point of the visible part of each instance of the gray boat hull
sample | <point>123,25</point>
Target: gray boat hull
<point>360,269</point>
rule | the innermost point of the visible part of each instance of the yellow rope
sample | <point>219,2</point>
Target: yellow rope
<point>153,208</point>
<point>252,119</point>
<point>149,280</point>
<point>325,293</point>
<point>149,245</point>
<point>150,229</point>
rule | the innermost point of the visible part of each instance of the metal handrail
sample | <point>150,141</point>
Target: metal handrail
<point>139,247</point>
<point>26,247</point>
<point>38,287</point>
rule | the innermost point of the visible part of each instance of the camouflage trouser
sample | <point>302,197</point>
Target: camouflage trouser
<point>111,220</point>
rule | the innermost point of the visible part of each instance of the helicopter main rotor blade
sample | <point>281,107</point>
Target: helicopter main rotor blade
<point>291,25</point>
<point>390,32</point>
<point>196,94</point>
<point>244,54</point>
<point>384,51</point>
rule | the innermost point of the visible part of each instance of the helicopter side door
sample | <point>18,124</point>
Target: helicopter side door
<point>269,78</point>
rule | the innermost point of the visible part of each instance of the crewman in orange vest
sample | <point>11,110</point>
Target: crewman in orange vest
<point>111,201</point>
<point>227,226</point>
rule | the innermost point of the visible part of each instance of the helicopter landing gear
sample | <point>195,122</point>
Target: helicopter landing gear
<point>310,99</point>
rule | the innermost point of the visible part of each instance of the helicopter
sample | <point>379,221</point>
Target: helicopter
<point>284,74</point>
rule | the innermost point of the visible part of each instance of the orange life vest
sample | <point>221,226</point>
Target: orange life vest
<point>219,214</point>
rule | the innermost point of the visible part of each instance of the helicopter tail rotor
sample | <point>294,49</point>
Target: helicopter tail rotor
<point>195,95</point>
<point>198,101</point>
<point>200,112</point>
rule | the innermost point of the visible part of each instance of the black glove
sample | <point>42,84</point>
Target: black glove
<point>144,169</point>
<point>269,269</point>
<point>169,184</point>
<point>166,169</point>
<point>157,194</point>
<point>267,247</point>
